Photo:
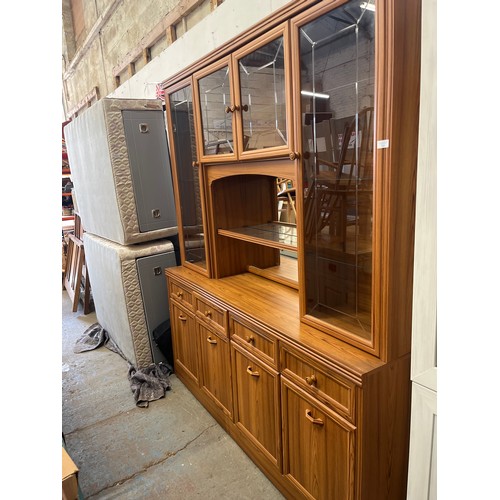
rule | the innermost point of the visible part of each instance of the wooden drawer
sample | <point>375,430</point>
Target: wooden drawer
<point>181,295</point>
<point>319,380</point>
<point>254,338</point>
<point>212,314</point>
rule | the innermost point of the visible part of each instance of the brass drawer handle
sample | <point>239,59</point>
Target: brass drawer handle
<point>312,380</point>
<point>179,294</point>
<point>251,372</point>
<point>208,314</point>
<point>250,339</point>
<point>210,340</point>
<point>230,109</point>
<point>182,318</point>
<point>316,421</point>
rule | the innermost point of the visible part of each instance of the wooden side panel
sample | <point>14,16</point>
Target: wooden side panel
<point>385,424</point>
<point>398,80</point>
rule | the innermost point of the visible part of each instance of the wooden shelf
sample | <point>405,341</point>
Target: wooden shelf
<point>286,273</point>
<point>273,234</point>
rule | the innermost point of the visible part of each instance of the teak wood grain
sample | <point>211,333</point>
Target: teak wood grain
<point>215,367</point>
<point>318,447</point>
<point>256,390</point>
<point>336,403</point>
<point>184,341</point>
<point>276,307</point>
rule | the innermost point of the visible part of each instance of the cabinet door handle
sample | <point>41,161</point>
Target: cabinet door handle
<point>208,314</point>
<point>230,109</point>
<point>210,340</point>
<point>316,421</point>
<point>250,339</point>
<point>312,380</point>
<point>182,318</point>
<point>251,372</point>
<point>244,107</point>
<point>179,294</point>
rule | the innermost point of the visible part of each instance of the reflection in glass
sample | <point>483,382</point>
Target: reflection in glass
<point>337,63</point>
<point>181,112</point>
<point>262,84</point>
<point>217,120</point>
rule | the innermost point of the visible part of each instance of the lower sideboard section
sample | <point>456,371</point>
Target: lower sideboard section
<point>329,425</point>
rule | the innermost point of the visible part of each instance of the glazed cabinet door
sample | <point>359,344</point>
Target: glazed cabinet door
<point>335,51</point>
<point>215,102</point>
<point>184,342</point>
<point>244,102</point>
<point>263,96</point>
<point>318,447</point>
<point>215,368</point>
<point>186,173</point>
<point>256,402</point>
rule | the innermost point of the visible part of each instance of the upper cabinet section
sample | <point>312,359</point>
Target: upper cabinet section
<point>244,102</point>
<point>328,96</point>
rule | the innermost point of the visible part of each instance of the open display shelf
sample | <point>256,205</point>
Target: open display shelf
<point>275,234</point>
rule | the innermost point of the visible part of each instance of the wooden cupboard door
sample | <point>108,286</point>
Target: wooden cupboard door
<point>318,447</point>
<point>256,397</point>
<point>184,342</point>
<point>215,368</point>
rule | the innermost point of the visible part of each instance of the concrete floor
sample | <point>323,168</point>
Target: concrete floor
<point>173,449</point>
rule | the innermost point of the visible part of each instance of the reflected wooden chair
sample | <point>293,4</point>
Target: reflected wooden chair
<point>341,192</point>
<point>286,195</point>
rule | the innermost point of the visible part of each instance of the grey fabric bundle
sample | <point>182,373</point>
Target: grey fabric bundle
<point>147,384</point>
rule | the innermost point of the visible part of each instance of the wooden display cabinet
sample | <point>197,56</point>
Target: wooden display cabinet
<point>304,358</point>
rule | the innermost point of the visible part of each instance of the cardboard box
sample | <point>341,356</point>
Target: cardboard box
<point>69,477</point>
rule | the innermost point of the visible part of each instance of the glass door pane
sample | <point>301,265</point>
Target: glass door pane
<point>181,114</point>
<point>217,112</point>
<point>263,104</point>
<point>337,61</point>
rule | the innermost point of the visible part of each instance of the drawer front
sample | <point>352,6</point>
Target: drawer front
<point>212,314</point>
<point>181,295</point>
<point>259,342</point>
<point>319,380</point>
